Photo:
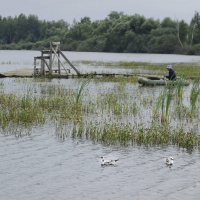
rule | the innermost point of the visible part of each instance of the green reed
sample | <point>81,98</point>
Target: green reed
<point>104,118</point>
<point>127,134</point>
<point>195,91</point>
<point>84,83</point>
<point>1,84</point>
<point>30,110</point>
<point>134,108</point>
<point>19,110</point>
<point>189,70</point>
<point>179,90</point>
<point>163,103</point>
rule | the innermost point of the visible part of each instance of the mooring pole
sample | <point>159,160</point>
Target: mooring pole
<point>34,66</point>
<point>42,65</point>
<point>50,59</point>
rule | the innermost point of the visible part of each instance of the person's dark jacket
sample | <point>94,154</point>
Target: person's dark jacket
<point>172,75</point>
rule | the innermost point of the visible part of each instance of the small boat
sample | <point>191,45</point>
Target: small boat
<point>154,81</point>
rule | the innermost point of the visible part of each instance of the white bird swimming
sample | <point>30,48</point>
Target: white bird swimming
<point>169,161</point>
<point>107,162</point>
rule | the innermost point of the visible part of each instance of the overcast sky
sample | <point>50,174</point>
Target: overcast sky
<point>68,10</point>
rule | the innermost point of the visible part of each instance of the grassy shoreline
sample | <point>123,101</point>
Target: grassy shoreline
<point>190,70</point>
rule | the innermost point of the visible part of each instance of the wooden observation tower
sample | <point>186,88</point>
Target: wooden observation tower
<point>51,62</point>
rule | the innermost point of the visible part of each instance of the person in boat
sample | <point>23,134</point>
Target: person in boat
<point>172,73</point>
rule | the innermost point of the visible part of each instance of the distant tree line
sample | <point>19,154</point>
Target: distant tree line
<point>118,32</point>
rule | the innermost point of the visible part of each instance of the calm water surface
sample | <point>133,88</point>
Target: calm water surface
<point>25,57</point>
<point>42,167</point>
<point>15,59</point>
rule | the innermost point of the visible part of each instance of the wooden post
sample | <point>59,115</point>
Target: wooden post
<point>50,60</point>
<point>59,72</point>
<point>63,55</point>
<point>42,65</point>
<point>34,66</point>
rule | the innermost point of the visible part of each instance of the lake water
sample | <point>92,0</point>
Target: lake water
<point>41,166</point>
<point>11,60</point>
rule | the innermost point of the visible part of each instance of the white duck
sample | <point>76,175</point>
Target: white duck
<point>169,161</point>
<point>108,162</point>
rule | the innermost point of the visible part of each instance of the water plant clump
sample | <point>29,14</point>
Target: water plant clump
<point>163,104</point>
<point>84,83</point>
<point>195,92</point>
<point>126,134</point>
<point>190,70</point>
<point>179,90</point>
<point>114,113</point>
<point>1,84</point>
<point>31,110</point>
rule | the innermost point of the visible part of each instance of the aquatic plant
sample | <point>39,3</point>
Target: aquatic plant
<point>1,84</point>
<point>126,134</point>
<point>195,91</point>
<point>163,103</point>
<point>190,70</point>
<point>112,116</point>
<point>84,83</point>
<point>19,110</point>
<point>183,112</point>
<point>179,90</point>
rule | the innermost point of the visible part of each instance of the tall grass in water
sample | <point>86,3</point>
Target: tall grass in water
<point>1,84</point>
<point>179,85</point>
<point>164,102</point>
<point>19,111</point>
<point>195,91</point>
<point>127,134</point>
<point>179,90</point>
<point>84,83</point>
<point>59,105</point>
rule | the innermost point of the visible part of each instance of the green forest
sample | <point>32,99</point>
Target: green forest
<point>118,32</point>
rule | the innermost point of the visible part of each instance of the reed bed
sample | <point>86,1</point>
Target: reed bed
<point>189,70</point>
<point>117,115</point>
<point>126,134</point>
<point>195,92</point>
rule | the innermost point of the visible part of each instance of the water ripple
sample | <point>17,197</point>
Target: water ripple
<point>40,167</point>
